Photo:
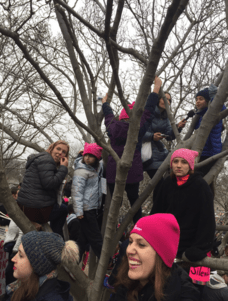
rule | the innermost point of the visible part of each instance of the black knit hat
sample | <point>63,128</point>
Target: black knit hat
<point>43,250</point>
<point>204,93</point>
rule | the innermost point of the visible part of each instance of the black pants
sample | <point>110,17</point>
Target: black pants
<point>57,218</point>
<point>90,233</point>
<point>132,191</point>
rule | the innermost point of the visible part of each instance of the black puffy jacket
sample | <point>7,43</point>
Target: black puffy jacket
<point>41,181</point>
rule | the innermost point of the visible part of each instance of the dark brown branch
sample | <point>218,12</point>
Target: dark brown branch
<point>213,263</point>
<point>211,159</point>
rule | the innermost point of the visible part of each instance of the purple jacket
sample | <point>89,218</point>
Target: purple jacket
<point>117,132</point>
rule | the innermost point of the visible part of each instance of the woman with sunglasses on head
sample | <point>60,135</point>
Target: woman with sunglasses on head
<point>147,271</point>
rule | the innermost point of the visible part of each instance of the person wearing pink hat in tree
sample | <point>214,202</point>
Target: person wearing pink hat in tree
<point>147,272</point>
<point>188,197</point>
<point>86,193</point>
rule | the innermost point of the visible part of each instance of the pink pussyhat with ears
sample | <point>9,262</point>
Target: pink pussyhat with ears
<point>187,154</point>
<point>123,113</point>
<point>162,232</point>
<point>93,149</point>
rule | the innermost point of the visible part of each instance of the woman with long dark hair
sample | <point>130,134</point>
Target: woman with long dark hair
<point>147,271</point>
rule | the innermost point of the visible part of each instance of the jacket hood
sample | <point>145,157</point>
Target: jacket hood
<point>216,282</point>
<point>32,157</point>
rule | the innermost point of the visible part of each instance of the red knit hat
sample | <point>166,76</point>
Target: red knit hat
<point>123,113</point>
<point>187,154</point>
<point>93,149</point>
<point>162,232</point>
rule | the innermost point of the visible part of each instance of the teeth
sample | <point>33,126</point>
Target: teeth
<point>134,262</point>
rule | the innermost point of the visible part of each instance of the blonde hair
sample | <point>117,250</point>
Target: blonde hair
<point>54,144</point>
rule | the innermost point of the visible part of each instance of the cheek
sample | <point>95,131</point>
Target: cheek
<point>23,270</point>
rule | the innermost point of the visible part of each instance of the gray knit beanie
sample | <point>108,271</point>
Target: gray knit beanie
<point>43,250</point>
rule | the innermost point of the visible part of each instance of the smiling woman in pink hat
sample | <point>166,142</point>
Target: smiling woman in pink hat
<point>188,197</point>
<point>147,272</point>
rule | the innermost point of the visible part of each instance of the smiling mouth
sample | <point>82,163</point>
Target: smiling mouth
<point>133,264</point>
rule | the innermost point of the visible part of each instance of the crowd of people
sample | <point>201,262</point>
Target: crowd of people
<point>149,264</point>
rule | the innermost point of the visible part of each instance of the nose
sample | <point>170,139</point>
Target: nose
<point>14,258</point>
<point>130,249</point>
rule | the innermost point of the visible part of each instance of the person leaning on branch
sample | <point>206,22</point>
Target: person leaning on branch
<point>188,197</point>
<point>147,271</point>
<point>117,131</point>
<point>159,127</point>
<point>35,268</point>
<point>44,175</point>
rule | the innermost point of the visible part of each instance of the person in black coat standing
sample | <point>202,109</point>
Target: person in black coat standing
<point>44,175</point>
<point>188,197</point>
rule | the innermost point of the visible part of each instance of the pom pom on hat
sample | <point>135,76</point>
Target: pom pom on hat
<point>204,93</point>
<point>187,154</point>
<point>93,149</point>
<point>123,113</point>
<point>162,232</point>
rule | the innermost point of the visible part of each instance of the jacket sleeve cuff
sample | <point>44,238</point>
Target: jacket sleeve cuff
<point>195,254</point>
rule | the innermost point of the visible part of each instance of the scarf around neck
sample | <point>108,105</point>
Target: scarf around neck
<point>182,180</point>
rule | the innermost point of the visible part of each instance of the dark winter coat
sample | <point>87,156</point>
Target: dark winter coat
<point>160,123</point>
<point>117,131</point>
<point>215,290</point>
<point>213,144</point>
<point>52,290</point>
<point>192,205</point>
<point>41,181</point>
<point>178,288</point>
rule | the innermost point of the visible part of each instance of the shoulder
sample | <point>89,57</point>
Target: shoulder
<point>120,295</point>
<point>198,180</point>
<point>44,157</point>
<point>54,290</point>
<point>81,172</point>
<point>187,290</point>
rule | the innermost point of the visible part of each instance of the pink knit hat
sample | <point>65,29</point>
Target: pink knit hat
<point>162,232</point>
<point>186,154</point>
<point>93,149</point>
<point>123,113</point>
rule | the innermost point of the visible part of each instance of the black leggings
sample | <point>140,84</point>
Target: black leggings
<point>90,233</point>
